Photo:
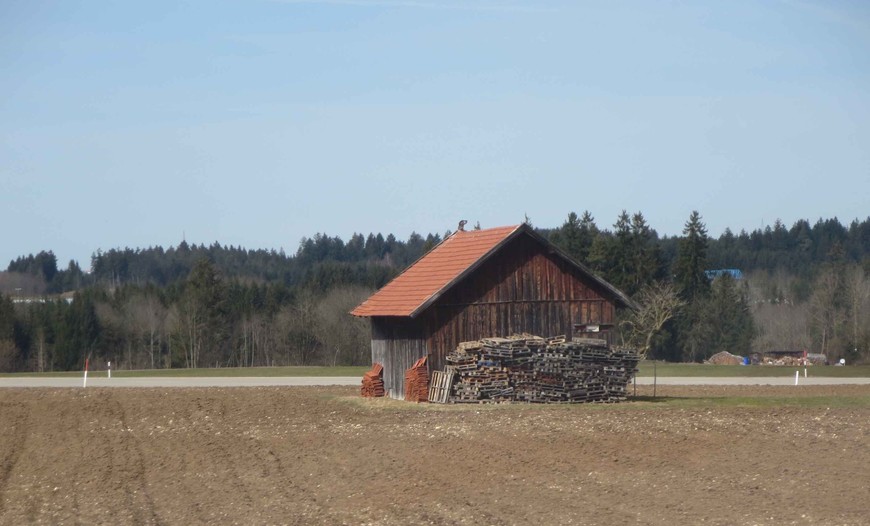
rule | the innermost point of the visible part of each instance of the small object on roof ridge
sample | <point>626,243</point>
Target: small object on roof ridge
<point>461,226</point>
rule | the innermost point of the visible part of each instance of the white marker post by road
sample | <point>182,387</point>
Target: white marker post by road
<point>797,374</point>
<point>110,369</point>
<point>85,383</point>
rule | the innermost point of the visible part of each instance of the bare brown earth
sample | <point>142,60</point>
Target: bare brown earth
<point>324,456</point>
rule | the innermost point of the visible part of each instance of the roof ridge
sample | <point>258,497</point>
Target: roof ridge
<point>428,278</point>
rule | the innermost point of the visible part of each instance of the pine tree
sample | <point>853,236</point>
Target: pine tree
<point>694,327</point>
<point>692,260</point>
<point>645,257</point>
<point>576,236</point>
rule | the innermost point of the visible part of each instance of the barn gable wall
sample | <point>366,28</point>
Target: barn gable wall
<point>522,288</point>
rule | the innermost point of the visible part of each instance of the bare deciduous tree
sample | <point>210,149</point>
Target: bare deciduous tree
<point>259,340</point>
<point>345,337</point>
<point>41,356</point>
<point>858,307</point>
<point>190,324</point>
<point>826,314</point>
<point>147,317</point>
<point>658,303</point>
<point>301,334</point>
<point>781,327</point>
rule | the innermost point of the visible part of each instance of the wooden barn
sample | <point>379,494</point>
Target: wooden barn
<point>484,283</point>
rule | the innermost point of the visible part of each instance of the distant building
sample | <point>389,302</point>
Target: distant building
<point>733,272</point>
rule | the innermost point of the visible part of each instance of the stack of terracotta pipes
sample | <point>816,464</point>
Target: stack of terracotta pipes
<point>373,382</point>
<point>417,382</point>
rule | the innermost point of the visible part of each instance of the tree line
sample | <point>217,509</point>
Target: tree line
<point>197,305</point>
<point>202,321</point>
<point>799,288</point>
<point>805,287</point>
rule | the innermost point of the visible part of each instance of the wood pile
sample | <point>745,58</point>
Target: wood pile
<point>373,382</point>
<point>533,369</point>
<point>791,361</point>
<point>417,382</point>
<point>725,358</point>
<point>798,361</point>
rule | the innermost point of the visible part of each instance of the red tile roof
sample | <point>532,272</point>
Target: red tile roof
<point>434,272</point>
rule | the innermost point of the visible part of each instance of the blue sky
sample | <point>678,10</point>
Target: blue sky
<point>256,123</point>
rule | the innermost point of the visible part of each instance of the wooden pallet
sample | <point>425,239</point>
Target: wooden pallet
<point>439,388</point>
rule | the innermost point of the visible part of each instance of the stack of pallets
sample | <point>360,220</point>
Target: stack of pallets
<point>373,382</point>
<point>532,369</point>
<point>417,382</point>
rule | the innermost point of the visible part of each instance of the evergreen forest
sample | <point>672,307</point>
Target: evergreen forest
<point>803,287</point>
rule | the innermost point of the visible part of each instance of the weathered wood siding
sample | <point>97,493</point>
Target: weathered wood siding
<point>524,288</point>
<point>397,343</point>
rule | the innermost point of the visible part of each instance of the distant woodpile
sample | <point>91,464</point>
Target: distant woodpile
<point>533,369</point>
<point>786,358</point>
<point>725,358</point>
<point>795,361</point>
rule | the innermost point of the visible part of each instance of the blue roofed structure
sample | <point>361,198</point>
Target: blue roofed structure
<point>735,273</point>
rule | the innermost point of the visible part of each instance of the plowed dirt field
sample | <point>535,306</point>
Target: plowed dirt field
<point>324,456</point>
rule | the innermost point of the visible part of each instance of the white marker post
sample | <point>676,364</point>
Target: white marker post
<point>806,362</point>
<point>110,369</point>
<point>85,383</point>
<point>797,374</point>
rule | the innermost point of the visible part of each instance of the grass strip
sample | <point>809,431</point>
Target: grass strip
<point>665,369</point>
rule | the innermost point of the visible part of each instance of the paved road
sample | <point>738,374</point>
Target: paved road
<point>241,381</point>
<point>251,381</point>
<point>776,380</point>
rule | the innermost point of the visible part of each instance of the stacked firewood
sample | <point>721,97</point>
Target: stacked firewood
<point>417,382</point>
<point>373,382</point>
<point>793,361</point>
<point>533,369</point>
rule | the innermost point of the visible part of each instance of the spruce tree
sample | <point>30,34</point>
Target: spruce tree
<point>692,260</point>
<point>694,325</point>
<point>645,257</point>
<point>576,235</point>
